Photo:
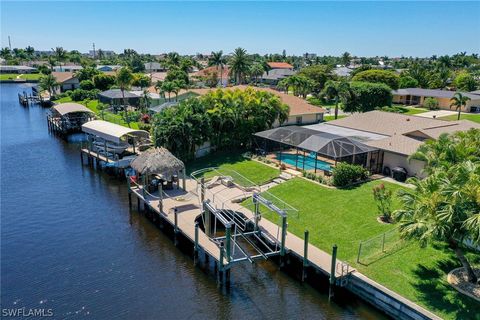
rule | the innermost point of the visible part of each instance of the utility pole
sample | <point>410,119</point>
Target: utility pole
<point>9,43</point>
<point>94,50</point>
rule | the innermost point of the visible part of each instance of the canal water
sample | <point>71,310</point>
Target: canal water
<point>70,244</point>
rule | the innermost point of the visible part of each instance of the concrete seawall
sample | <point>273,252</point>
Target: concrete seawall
<point>386,300</point>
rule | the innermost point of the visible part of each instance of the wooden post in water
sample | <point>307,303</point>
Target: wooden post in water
<point>195,247</point>
<point>256,214</point>
<point>282,244</point>
<point>175,229</point>
<point>220,266</point>
<point>129,185</point>
<point>305,256</point>
<point>160,197</point>
<point>332,272</point>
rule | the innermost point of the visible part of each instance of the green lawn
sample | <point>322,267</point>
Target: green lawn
<point>344,217</point>
<point>414,110</point>
<point>13,76</point>
<point>227,161</point>
<point>330,118</point>
<point>463,116</point>
<point>107,116</point>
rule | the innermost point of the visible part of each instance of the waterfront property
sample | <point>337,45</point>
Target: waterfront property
<point>113,144</point>
<point>16,69</point>
<point>417,96</point>
<point>397,136</point>
<point>66,81</point>
<point>312,150</point>
<point>67,118</point>
<point>115,97</point>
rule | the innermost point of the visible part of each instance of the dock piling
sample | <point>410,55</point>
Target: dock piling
<point>175,229</point>
<point>332,272</point>
<point>305,256</point>
<point>195,247</point>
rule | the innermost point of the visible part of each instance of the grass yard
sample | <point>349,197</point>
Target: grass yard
<point>107,116</point>
<point>330,118</point>
<point>463,116</point>
<point>13,76</point>
<point>226,161</point>
<point>344,217</point>
<point>414,110</point>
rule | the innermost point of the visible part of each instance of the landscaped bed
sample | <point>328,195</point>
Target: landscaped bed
<point>344,217</point>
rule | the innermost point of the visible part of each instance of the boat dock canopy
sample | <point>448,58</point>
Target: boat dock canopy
<point>65,108</point>
<point>112,132</point>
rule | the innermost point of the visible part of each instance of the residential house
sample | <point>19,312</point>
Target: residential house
<point>277,72</point>
<point>17,69</point>
<point>417,96</point>
<point>107,68</point>
<point>66,81</point>
<point>342,71</point>
<point>67,68</point>
<point>223,75</point>
<point>153,67</point>
<point>395,135</point>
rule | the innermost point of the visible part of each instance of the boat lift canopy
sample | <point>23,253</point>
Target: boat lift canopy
<point>66,108</point>
<point>112,132</point>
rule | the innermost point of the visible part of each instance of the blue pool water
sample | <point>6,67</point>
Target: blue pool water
<point>291,159</point>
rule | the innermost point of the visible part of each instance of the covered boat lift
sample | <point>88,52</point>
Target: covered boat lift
<point>110,142</point>
<point>68,118</point>
<point>321,144</point>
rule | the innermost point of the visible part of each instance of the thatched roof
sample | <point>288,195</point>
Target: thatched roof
<point>157,161</point>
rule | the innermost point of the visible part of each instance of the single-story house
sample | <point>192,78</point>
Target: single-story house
<point>417,96</point>
<point>280,65</point>
<point>106,68</point>
<point>66,81</point>
<point>153,67</point>
<point>273,76</point>
<point>395,135</point>
<point>115,97</point>
<point>223,75</point>
<point>17,69</point>
<point>67,68</point>
<point>342,71</point>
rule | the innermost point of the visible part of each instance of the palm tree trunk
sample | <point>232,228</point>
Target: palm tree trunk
<point>459,111</point>
<point>336,108</point>
<point>472,278</point>
<point>221,75</point>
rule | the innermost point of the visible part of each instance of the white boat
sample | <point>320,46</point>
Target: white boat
<point>112,147</point>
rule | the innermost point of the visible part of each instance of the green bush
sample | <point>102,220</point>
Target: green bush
<point>87,85</point>
<point>431,103</point>
<point>345,174</point>
<point>80,94</point>
<point>378,76</point>
<point>366,96</point>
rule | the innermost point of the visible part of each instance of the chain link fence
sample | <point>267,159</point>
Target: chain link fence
<point>379,246</point>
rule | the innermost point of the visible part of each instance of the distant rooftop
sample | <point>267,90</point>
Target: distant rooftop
<point>434,93</point>
<point>280,65</point>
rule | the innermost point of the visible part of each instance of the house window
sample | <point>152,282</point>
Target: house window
<point>299,120</point>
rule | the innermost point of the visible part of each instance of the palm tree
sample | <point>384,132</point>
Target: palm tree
<point>48,83</point>
<point>459,101</point>
<point>346,57</point>
<point>178,85</point>
<point>61,54</point>
<point>218,59</point>
<point>51,62</point>
<point>256,70</point>
<point>239,64</point>
<point>124,80</point>
<point>336,91</point>
<point>168,87</point>
<point>158,87</point>
<point>443,207</point>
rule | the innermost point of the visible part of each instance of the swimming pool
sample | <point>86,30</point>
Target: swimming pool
<point>291,159</point>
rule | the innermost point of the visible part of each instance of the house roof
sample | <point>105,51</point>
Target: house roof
<point>435,93</point>
<point>17,68</point>
<point>208,70</point>
<point>61,77</point>
<point>342,71</point>
<point>111,131</point>
<point>280,65</point>
<point>65,108</point>
<point>117,94</point>
<point>405,133</point>
<point>277,74</point>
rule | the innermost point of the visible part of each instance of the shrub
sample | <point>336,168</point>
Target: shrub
<point>87,85</point>
<point>80,94</point>
<point>144,126</point>
<point>366,96</point>
<point>431,103</point>
<point>383,198</point>
<point>345,174</point>
<point>407,82</point>
<point>378,76</point>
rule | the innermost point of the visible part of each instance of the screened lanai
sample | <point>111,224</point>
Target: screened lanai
<point>312,150</point>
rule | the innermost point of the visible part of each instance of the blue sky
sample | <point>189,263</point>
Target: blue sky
<point>325,28</point>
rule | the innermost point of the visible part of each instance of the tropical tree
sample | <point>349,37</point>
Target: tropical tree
<point>168,87</point>
<point>158,87</point>
<point>465,81</point>
<point>239,64</point>
<point>346,58</point>
<point>218,60</point>
<point>256,70</point>
<point>124,81</point>
<point>61,54</point>
<point>336,90</point>
<point>48,83</point>
<point>378,76</point>
<point>444,207</point>
<point>458,101</point>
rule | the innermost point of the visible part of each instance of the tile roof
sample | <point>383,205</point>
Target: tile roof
<point>435,93</point>
<point>206,71</point>
<point>280,65</point>
<point>61,77</point>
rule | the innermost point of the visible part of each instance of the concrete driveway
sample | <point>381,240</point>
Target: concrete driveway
<point>436,114</point>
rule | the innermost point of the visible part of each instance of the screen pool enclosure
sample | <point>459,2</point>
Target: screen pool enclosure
<point>308,149</point>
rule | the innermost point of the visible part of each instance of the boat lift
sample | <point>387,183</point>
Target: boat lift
<point>243,239</point>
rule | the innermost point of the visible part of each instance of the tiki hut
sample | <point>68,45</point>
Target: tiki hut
<point>159,162</point>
